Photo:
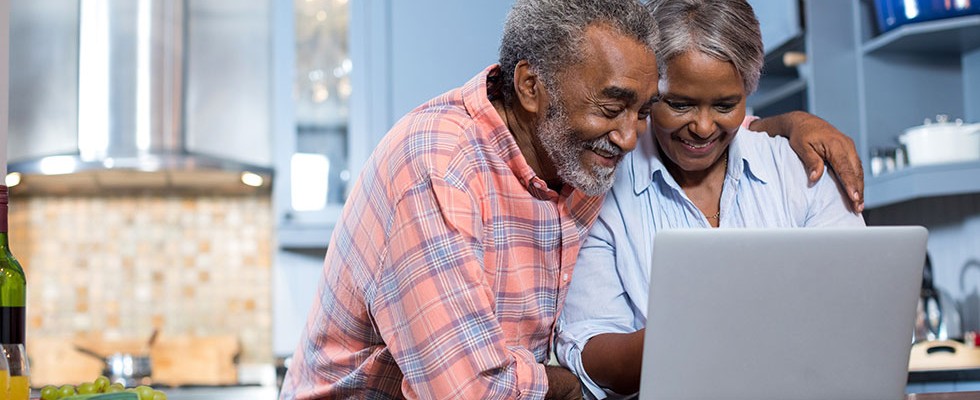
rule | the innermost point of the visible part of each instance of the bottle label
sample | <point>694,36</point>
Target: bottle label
<point>13,325</point>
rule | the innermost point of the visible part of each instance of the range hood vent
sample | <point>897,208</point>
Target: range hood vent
<point>166,93</point>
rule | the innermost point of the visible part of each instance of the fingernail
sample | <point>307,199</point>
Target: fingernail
<point>813,175</point>
<point>855,195</point>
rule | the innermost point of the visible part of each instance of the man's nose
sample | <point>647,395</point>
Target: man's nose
<point>625,135</point>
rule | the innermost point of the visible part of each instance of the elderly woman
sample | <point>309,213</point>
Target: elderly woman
<point>700,169</point>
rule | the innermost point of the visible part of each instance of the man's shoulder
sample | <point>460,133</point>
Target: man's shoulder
<point>437,139</point>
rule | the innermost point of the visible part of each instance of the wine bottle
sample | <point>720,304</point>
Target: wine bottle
<point>13,285</point>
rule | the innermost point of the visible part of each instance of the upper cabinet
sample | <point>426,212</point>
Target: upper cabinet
<point>313,90</point>
<point>346,72</point>
<point>873,86</point>
<point>784,87</point>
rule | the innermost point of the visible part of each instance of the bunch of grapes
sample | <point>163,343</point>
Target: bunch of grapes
<point>101,385</point>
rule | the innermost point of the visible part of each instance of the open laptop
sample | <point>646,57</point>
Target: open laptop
<point>816,313</point>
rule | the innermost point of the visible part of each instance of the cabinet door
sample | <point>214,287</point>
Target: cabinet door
<point>783,86</point>
<point>312,94</point>
<point>779,20</point>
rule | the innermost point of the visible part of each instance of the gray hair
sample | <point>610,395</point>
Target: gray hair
<point>724,29</point>
<point>548,34</point>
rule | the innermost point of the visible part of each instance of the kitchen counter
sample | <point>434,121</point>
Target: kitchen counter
<point>256,382</point>
<point>945,375</point>
<point>244,392</point>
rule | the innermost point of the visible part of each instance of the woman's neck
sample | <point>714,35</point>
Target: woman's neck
<point>703,187</point>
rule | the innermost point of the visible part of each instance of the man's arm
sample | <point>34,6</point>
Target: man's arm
<point>434,310</point>
<point>816,140</point>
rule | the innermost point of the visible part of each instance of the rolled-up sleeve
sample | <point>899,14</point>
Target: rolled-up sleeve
<point>596,304</point>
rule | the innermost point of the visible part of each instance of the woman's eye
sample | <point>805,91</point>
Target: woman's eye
<point>725,108</point>
<point>677,105</point>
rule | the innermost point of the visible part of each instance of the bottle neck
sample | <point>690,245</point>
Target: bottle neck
<point>3,225</point>
<point>3,220</point>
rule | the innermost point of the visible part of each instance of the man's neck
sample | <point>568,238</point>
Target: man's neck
<point>522,127</point>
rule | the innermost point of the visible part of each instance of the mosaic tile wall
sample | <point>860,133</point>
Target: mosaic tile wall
<point>122,265</point>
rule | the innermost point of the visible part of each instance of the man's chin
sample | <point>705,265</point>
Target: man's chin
<point>595,184</point>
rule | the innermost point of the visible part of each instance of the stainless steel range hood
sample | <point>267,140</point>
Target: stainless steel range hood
<point>160,93</point>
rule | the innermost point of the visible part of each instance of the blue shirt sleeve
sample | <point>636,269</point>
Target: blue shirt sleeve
<point>597,302</point>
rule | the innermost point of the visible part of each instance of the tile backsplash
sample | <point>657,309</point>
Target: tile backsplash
<point>120,265</point>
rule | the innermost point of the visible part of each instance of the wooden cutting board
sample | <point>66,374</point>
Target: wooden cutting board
<point>195,360</point>
<point>943,354</point>
<point>54,361</point>
<point>176,360</point>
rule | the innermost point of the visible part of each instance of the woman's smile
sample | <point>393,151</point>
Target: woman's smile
<point>699,147</point>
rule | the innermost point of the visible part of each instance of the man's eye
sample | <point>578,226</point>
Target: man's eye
<point>643,114</point>
<point>612,112</point>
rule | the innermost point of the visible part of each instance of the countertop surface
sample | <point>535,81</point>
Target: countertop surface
<point>223,393</point>
<point>945,396</point>
<point>945,375</point>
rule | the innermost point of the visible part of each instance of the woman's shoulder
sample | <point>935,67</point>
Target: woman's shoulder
<point>773,154</point>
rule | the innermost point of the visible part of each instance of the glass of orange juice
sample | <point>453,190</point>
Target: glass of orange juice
<point>4,378</point>
<point>19,385</point>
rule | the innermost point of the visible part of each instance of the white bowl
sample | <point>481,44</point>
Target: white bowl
<point>941,142</point>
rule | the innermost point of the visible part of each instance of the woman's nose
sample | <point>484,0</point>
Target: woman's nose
<point>702,126</point>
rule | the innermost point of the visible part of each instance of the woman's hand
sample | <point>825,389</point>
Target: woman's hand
<point>816,140</point>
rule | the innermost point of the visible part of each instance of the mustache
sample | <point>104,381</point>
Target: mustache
<point>604,145</point>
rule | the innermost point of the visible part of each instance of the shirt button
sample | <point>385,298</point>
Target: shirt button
<point>564,278</point>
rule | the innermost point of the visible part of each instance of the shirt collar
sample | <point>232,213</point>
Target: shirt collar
<point>479,106</point>
<point>646,164</point>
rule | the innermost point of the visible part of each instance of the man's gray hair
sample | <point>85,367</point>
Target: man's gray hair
<point>548,34</point>
<point>724,29</point>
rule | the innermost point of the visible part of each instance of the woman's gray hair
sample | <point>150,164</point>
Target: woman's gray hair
<point>548,34</point>
<point>724,29</point>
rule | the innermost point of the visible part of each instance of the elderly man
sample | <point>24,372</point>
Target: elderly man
<point>452,258</point>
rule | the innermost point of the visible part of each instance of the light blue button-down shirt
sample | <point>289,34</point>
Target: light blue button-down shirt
<point>765,186</point>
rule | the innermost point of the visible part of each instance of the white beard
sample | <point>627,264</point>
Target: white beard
<point>565,151</point>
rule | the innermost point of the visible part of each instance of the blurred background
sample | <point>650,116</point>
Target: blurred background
<point>177,166</point>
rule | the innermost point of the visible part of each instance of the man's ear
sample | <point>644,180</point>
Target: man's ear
<point>529,88</point>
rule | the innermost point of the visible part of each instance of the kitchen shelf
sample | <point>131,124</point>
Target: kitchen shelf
<point>768,96</point>
<point>921,182</point>
<point>782,88</point>
<point>304,236</point>
<point>950,36</point>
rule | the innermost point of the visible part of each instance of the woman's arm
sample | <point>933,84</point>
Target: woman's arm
<point>816,140</point>
<point>613,360</point>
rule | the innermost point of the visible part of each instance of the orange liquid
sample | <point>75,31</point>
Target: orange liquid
<point>20,388</point>
<point>4,378</point>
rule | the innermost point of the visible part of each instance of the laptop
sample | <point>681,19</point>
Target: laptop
<point>816,313</point>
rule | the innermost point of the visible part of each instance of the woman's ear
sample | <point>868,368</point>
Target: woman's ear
<point>529,88</point>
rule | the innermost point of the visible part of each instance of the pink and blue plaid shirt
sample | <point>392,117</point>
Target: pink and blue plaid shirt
<point>448,268</point>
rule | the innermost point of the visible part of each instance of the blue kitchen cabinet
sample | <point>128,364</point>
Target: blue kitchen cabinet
<point>874,86</point>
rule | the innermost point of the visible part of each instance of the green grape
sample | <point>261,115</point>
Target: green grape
<point>159,395</point>
<point>50,393</point>
<point>115,387</point>
<point>102,383</point>
<point>67,390</point>
<point>145,392</point>
<point>87,388</point>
